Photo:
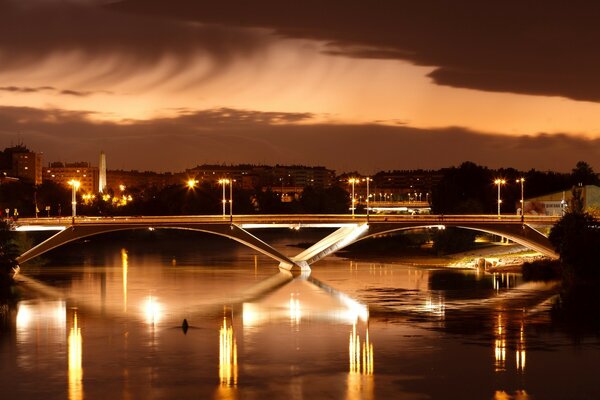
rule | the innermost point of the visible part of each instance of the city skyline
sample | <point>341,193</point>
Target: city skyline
<point>346,85</point>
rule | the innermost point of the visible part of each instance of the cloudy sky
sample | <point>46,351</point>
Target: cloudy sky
<point>352,85</point>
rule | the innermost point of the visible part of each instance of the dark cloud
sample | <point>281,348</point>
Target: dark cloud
<point>533,47</point>
<point>23,89</point>
<point>67,92</point>
<point>113,45</point>
<point>235,136</point>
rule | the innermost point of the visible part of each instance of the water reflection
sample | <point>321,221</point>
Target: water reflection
<point>295,310</point>
<point>519,395</point>
<point>520,349</point>
<point>125,267</point>
<point>360,377</point>
<point>435,305</point>
<point>228,368</point>
<point>152,310</point>
<point>361,353</point>
<point>499,345</point>
<point>35,319</point>
<point>74,348</point>
<point>504,281</point>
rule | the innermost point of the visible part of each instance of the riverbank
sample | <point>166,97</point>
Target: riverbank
<point>492,257</point>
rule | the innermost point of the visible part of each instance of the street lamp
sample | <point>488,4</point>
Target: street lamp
<point>231,201</point>
<point>522,181</point>
<point>223,182</point>
<point>191,183</point>
<point>74,186</point>
<point>367,179</point>
<point>499,182</point>
<point>353,181</point>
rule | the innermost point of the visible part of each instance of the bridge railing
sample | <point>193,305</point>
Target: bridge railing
<point>291,219</point>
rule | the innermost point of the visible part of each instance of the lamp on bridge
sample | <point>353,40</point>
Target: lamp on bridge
<point>367,179</point>
<point>499,182</point>
<point>223,182</point>
<point>522,181</point>
<point>353,181</point>
<point>74,186</point>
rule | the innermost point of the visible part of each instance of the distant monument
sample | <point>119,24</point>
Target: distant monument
<point>102,173</point>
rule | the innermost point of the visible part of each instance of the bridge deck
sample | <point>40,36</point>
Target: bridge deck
<point>351,229</point>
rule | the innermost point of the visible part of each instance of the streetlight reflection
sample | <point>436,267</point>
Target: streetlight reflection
<point>360,377</point>
<point>125,265</point>
<point>75,361</point>
<point>227,355</point>
<point>520,356</point>
<point>500,345</point>
<point>152,310</point>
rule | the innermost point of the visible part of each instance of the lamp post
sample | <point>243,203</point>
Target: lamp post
<point>191,184</point>
<point>499,182</point>
<point>230,201</point>
<point>368,179</point>
<point>353,181</point>
<point>522,181</point>
<point>223,182</point>
<point>74,186</point>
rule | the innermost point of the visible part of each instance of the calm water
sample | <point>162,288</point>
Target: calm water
<point>109,325</point>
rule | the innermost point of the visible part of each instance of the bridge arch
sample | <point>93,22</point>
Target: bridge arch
<point>230,231</point>
<point>523,235</point>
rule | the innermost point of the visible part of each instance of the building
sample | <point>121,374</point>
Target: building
<point>62,173</point>
<point>263,177</point>
<point>28,167</point>
<point>19,162</point>
<point>117,179</point>
<point>558,203</point>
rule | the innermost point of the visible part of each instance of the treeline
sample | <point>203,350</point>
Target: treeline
<point>470,188</point>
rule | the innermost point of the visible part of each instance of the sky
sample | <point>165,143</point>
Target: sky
<point>350,85</point>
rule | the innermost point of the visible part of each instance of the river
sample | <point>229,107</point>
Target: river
<point>104,319</point>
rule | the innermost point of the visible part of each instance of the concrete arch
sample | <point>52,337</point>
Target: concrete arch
<point>230,231</point>
<point>521,234</point>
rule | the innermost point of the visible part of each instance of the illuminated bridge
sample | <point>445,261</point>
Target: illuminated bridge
<point>348,230</point>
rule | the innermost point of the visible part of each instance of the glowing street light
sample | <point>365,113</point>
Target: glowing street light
<point>223,182</point>
<point>522,181</point>
<point>231,201</point>
<point>353,181</point>
<point>74,186</point>
<point>499,182</point>
<point>368,179</point>
<point>191,183</point>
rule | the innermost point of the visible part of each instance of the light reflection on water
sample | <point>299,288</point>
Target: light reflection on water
<point>319,334</point>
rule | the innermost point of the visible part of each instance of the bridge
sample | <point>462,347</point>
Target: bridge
<point>349,229</point>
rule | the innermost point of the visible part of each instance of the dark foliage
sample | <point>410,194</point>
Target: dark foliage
<point>453,240</point>
<point>8,254</point>
<point>576,238</point>
<point>542,270</point>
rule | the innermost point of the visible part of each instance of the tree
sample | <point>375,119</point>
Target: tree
<point>464,190</point>
<point>576,238</point>
<point>8,254</point>
<point>583,175</point>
